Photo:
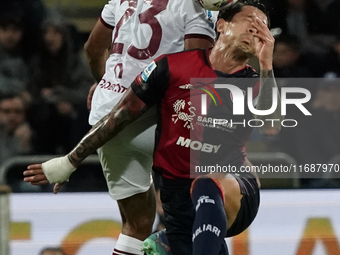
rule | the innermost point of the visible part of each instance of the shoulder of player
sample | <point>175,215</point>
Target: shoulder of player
<point>186,55</point>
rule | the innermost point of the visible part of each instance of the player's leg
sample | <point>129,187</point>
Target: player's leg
<point>241,201</point>
<point>178,214</point>
<point>217,200</point>
<point>138,214</point>
<point>126,162</point>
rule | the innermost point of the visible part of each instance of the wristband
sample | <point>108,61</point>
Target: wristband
<point>58,170</point>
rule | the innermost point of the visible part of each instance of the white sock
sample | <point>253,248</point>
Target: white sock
<point>127,245</point>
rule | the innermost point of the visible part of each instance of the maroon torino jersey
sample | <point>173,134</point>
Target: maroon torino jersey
<point>188,136</point>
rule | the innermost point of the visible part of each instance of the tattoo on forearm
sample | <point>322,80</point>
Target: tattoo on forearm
<point>265,100</point>
<point>129,109</point>
<point>266,74</point>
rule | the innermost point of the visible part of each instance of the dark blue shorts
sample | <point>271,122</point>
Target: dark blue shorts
<point>179,213</point>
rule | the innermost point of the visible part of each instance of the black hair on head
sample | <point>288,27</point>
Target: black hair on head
<point>229,13</point>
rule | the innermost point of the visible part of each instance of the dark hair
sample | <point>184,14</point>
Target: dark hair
<point>229,13</point>
<point>57,249</point>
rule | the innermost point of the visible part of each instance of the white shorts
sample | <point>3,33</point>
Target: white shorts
<point>127,159</point>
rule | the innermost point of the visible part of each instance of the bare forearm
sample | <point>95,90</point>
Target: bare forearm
<point>128,109</point>
<point>98,67</point>
<point>265,102</point>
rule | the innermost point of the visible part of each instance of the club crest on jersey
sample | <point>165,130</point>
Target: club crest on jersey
<point>179,106</point>
<point>148,70</point>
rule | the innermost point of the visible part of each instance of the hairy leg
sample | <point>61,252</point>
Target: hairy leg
<point>138,214</point>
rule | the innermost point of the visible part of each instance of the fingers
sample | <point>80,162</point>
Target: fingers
<point>43,182</point>
<point>261,26</point>
<point>33,172</point>
<point>90,96</point>
<point>263,31</point>
<point>57,187</point>
<point>35,166</point>
<point>38,179</point>
<point>35,176</point>
<point>89,100</point>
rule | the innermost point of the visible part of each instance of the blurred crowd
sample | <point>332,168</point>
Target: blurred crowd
<point>44,80</point>
<point>307,55</point>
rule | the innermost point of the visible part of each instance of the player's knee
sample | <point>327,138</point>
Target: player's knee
<point>201,184</point>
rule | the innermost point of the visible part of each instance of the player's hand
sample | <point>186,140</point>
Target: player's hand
<point>90,95</point>
<point>57,170</point>
<point>264,45</point>
<point>35,176</point>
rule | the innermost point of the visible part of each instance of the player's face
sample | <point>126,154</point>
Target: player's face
<point>239,32</point>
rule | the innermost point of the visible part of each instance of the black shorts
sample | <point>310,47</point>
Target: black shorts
<point>249,204</point>
<point>179,213</point>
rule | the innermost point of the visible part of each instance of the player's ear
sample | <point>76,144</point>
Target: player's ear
<point>221,25</point>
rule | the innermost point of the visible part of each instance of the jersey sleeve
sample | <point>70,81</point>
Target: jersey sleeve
<point>198,21</point>
<point>152,83</point>
<point>107,16</point>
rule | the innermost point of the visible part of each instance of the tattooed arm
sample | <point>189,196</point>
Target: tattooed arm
<point>146,90</point>
<point>125,112</point>
<point>58,170</point>
<point>264,51</point>
<point>272,122</point>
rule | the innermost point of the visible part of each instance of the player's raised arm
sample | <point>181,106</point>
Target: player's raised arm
<point>264,52</point>
<point>97,47</point>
